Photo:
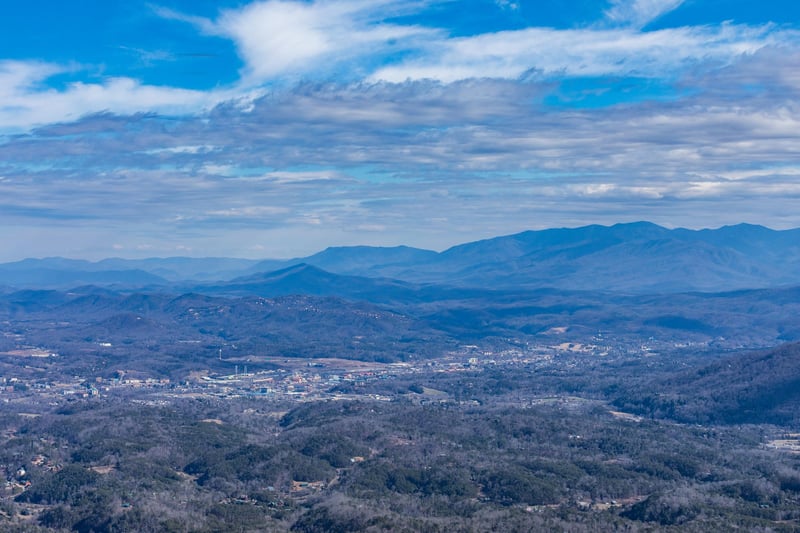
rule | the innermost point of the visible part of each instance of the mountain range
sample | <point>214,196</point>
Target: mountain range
<point>638,257</point>
<point>629,290</point>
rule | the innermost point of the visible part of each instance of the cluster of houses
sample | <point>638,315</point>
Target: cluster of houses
<point>17,480</point>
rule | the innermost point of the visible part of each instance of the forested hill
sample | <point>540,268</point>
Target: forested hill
<point>759,387</point>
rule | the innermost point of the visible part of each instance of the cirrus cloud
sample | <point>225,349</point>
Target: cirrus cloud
<point>28,101</point>
<point>584,52</point>
<point>639,13</point>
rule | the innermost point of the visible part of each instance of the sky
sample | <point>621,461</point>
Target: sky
<point>277,128</point>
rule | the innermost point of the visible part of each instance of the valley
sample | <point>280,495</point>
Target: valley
<point>309,400</point>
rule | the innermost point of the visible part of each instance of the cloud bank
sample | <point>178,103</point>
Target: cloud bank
<point>356,122</point>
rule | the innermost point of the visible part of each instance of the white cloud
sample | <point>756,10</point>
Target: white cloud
<point>20,74</point>
<point>582,52</point>
<point>252,212</point>
<point>279,38</point>
<point>295,177</point>
<point>507,4</point>
<point>202,23</point>
<point>219,169</point>
<point>790,172</point>
<point>350,40</point>
<point>234,174</point>
<point>28,102</point>
<point>485,156</point>
<point>639,13</point>
<point>184,149</point>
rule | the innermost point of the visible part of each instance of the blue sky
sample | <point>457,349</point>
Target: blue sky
<point>277,128</point>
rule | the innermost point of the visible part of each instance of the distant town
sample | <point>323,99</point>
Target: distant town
<point>301,380</point>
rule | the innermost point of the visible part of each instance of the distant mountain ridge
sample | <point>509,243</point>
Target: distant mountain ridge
<point>638,257</point>
<point>26,275</point>
<point>359,260</point>
<point>161,270</point>
<point>307,279</point>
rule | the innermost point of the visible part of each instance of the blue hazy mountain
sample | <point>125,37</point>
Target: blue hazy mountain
<point>636,257</point>
<point>60,273</point>
<point>639,257</point>
<point>183,268</point>
<point>358,260</point>
<point>366,260</point>
<point>310,280</point>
